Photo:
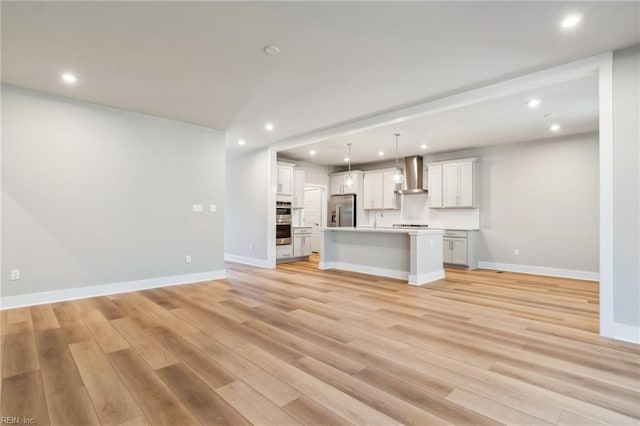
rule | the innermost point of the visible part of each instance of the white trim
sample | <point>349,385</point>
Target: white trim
<point>426,278</point>
<point>541,270</point>
<point>608,327</point>
<point>625,332</point>
<point>272,177</point>
<point>253,261</point>
<point>19,301</point>
<point>362,269</point>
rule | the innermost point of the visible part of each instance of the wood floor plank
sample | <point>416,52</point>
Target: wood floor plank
<point>374,397</point>
<point>337,401</point>
<point>72,407</point>
<point>20,354</point>
<point>199,398</point>
<point>152,352</point>
<point>309,412</point>
<point>138,421</point>
<point>104,333</point>
<point>59,371</point>
<point>110,397</point>
<point>255,407</point>
<point>271,387</point>
<point>210,371</point>
<point>159,404</point>
<point>492,409</point>
<point>23,397</point>
<point>43,318</point>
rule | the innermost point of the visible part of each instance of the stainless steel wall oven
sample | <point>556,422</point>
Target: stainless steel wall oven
<point>283,223</point>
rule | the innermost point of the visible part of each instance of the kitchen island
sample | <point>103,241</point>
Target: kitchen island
<point>407,254</point>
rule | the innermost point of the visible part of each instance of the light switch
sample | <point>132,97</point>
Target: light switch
<point>197,208</point>
<point>213,208</point>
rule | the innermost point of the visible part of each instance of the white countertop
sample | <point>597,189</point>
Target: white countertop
<point>457,229</point>
<point>419,231</point>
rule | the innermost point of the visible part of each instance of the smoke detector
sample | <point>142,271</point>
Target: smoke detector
<point>271,50</point>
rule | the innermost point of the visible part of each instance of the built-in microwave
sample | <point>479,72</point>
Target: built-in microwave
<point>283,212</point>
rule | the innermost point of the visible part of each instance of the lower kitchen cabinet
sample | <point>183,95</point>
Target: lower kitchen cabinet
<point>460,248</point>
<point>301,242</point>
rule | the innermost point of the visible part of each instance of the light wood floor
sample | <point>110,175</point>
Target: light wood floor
<point>301,346</point>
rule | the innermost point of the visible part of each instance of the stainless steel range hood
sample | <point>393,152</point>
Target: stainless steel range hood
<point>413,176</point>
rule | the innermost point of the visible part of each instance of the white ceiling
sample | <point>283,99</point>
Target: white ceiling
<point>499,121</point>
<point>202,62</point>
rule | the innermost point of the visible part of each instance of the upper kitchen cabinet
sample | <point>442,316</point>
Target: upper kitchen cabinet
<point>339,182</point>
<point>434,185</point>
<point>285,179</point>
<point>454,184</point>
<point>379,188</point>
<point>299,177</point>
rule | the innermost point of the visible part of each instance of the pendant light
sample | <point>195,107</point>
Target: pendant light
<point>349,181</point>
<point>397,175</point>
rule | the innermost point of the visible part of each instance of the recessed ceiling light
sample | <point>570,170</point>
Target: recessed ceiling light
<point>346,159</point>
<point>269,127</point>
<point>241,142</point>
<point>533,103</point>
<point>571,21</point>
<point>381,153</point>
<point>271,50</point>
<point>312,152</point>
<point>69,78</point>
<point>554,127</point>
<point>550,114</point>
<point>424,146</point>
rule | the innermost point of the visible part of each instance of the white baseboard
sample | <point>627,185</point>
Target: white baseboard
<point>253,261</point>
<point>620,331</point>
<point>541,270</point>
<point>19,301</point>
<point>426,278</point>
<point>362,269</point>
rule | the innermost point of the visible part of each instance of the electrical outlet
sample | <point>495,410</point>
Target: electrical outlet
<point>197,208</point>
<point>213,208</point>
<point>516,252</point>
<point>15,274</point>
<point>187,258</point>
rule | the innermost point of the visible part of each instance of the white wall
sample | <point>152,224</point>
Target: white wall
<point>626,186</point>
<point>247,198</point>
<point>316,174</point>
<point>93,195</point>
<point>541,198</point>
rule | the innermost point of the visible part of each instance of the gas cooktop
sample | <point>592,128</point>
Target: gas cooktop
<point>409,225</point>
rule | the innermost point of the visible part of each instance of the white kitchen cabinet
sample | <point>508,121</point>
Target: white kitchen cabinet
<point>372,192</point>
<point>379,188</point>
<point>389,186</point>
<point>339,182</point>
<point>299,177</point>
<point>285,180</point>
<point>460,248</point>
<point>301,242</point>
<point>434,185</point>
<point>454,184</point>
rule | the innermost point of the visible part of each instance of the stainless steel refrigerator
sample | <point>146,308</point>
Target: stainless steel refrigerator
<point>342,211</point>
